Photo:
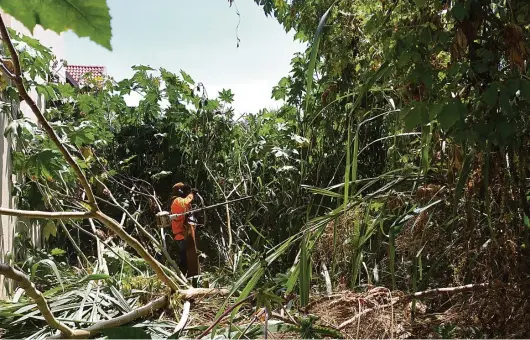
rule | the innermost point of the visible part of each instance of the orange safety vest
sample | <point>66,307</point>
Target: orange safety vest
<point>178,225</point>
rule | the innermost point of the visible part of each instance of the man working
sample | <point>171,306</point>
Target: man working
<point>184,235</point>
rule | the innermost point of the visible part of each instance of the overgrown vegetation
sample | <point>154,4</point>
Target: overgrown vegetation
<point>388,193</point>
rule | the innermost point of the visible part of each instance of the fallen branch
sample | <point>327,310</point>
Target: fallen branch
<point>59,215</point>
<point>39,299</point>
<point>145,311</point>
<point>429,292</point>
<point>194,293</point>
<point>138,313</point>
<point>450,290</point>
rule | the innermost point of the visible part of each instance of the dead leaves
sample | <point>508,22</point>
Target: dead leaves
<point>517,50</point>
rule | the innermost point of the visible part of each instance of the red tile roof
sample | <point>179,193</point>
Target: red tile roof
<point>76,72</point>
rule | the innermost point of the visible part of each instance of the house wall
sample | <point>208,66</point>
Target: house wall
<point>7,224</point>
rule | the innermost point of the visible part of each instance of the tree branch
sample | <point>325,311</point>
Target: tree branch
<point>146,310</point>
<point>18,80</point>
<point>194,293</point>
<point>59,215</point>
<point>39,299</point>
<point>138,313</point>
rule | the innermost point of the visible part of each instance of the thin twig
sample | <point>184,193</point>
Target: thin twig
<point>266,326</point>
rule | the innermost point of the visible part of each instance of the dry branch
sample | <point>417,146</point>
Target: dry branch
<point>141,312</point>
<point>450,290</point>
<point>429,292</point>
<point>194,293</point>
<point>56,215</point>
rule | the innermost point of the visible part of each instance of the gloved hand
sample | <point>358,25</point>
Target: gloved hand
<point>194,191</point>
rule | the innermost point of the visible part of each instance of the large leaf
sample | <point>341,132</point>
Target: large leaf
<point>49,230</point>
<point>87,18</point>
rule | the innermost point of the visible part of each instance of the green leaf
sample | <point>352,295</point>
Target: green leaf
<point>459,11</point>
<point>490,95</point>
<point>87,18</point>
<point>404,59</point>
<point>450,114</point>
<point>160,175</point>
<point>95,277</point>
<point>226,96</point>
<point>420,3</point>
<point>314,52</point>
<point>53,267</point>
<point>321,191</point>
<point>416,115</point>
<point>125,333</point>
<point>506,130</point>
<point>187,78</point>
<point>57,252</point>
<point>49,230</point>
<point>142,68</point>
<point>435,110</point>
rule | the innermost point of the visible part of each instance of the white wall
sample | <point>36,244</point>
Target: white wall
<point>7,224</point>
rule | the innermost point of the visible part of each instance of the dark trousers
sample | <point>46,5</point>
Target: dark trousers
<point>179,247</point>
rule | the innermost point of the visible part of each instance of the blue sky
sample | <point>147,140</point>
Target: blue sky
<point>199,37</point>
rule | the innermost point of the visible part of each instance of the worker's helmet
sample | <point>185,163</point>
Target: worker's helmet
<point>180,189</point>
<point>178,185</point>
